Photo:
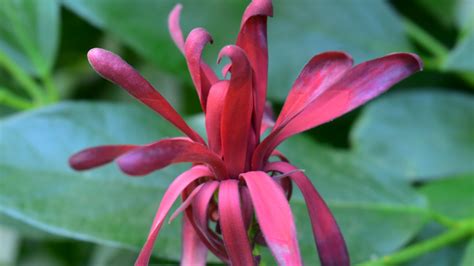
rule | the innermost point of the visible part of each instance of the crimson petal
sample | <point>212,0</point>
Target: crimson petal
<point>194,251</point>
<point>97,156</point>
<point>146,159</point>
<point>215,105</point>
<point>232,224</point>
<point>171,194</point>
<point>274,217</point>
<point>186,202</point>
<point>115,69</point>
<point>237,111</point>
<point>332,248</point>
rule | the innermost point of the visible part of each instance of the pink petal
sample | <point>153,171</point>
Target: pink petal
<point>146,159</point>
<point>202,75</point>
<point>247,207</point>
<point>357,86</point>
<point>186,203</point>
<point>97,156</point>
<point>115,69</point>
<point>194,251</point>
<point>268,120</point>
<point>232,224</point>
<point>237,111</point>
<point>215,105</point>
<point>329,240</point>
<point>171,194</point>
<point>252,39</point>
<point>274,217</point>
<point>175,28</point>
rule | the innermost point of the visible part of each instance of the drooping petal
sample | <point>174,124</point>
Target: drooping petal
<point>329,240</point>
<point>170,196</point>
<point>247,207</point>
<point>252,39</point>
<point>202,75</point>
<point>174,27</point>
<point>194,251</point>
<point>97,156</point>
<point>215,105</point>
<point>274,217</point>
<point>237,111</point>
<point>146,159</point>
<point>115,69</point>
<point>357,86</point>
<point>317,75</point>
<point>186,202</point>
<point>232,224</point>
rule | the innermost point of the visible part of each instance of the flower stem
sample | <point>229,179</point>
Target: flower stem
<point>13,101</point>
<point>426,40</point>
<point>463,230</point>
<point>52,91</point>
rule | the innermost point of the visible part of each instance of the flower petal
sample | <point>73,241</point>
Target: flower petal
<point>237,111</point>
<point>171,194</point>
<point>185,203</point>
<point>252,39</point>
<point>274,217</point>
<point>146,159</point>
<point>175,28</point>
<point>194,251</point>
<point>232,224</point>
<point>202,75</point>
<point>97,156</point>
<point>329,240</point>
<point>115,69</point>
<point>215,105</point>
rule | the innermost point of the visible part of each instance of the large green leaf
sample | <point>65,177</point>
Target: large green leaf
<point>468,258</point>
<point>107,207</point>
<point>298,30</point>
<point>29,33</point>
<point>418,135</point>
<point>461,58</point>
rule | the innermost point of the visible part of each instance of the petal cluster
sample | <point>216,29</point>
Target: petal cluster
<point>234,197</point>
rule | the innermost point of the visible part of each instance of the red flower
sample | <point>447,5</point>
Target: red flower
<point>234,163</point>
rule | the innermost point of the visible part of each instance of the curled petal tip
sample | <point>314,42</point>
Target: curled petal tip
<point>200,35</point>
<point>418,62</point>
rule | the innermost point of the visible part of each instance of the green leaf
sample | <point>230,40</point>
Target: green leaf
<point>29,33</point>
<point>451,197</point>
<point>377,215</point>
<point>297,31</point>
<point>418,135</point>
<point>461,58</point>
<point>468,258</point>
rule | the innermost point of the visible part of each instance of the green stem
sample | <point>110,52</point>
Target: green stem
<point>51,90</point>
<point>426,40</point>
<point>416,250</point>
<point>23,79</point>
<point>10,99</point>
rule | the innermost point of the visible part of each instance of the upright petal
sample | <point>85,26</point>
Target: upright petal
<point>171,194</point>
<point>329,240</point>
<point>174,27</point>
<point>252,39</point>
<point>194,251</point>
<point>97,156</point>
<point>146,159</point>
<point>237,111</point>
<point>232,224</point>
<point>274,217</point>
<point>115,69</point>
<point>202,75</point>
<point>215,105</point>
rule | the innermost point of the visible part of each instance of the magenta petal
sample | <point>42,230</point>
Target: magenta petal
<point>171,194</point>
<point>146,159</point>
<point>186,202</point>
<point>194,251</point>
<point>97,156</point>
<point>215,105</point>
<point>115,69</point>
<point>329,240</point>
<point>175,28</point>
<point>274,217</point>
<point>232,224</point>
<point>237,111</point>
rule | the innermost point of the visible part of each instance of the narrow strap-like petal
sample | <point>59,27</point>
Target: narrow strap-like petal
<point>202,75</point>
<point>170,196</point>
<point>215,105</point>
<point>237,111</point>
<point>252,39</point>
<point>232,224</point>
<point>146,159</point>
<point>274,217</point>
<point>115,69</point>
<point>357,86</point>
<point>247,207</point>
<point>186,202</point>
<point>97,156</point>
<point>194,251</point>
<point>174,27</point>
<point>317,75</point>
<point>329,240</point>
